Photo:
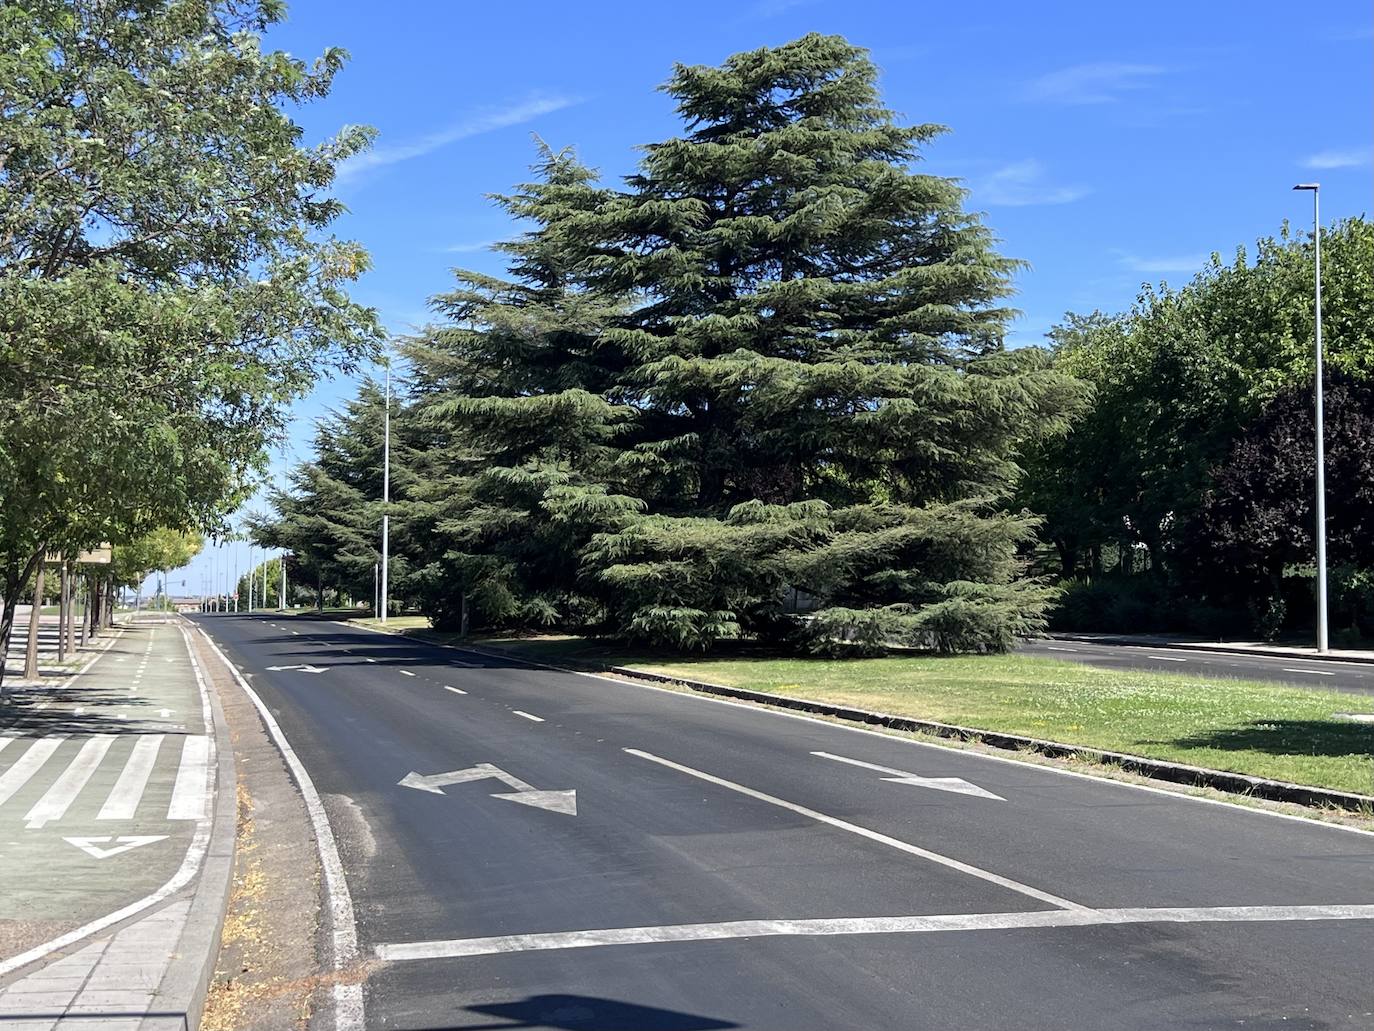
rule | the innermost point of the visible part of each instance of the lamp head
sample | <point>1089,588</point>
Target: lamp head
<point>1308,186</point>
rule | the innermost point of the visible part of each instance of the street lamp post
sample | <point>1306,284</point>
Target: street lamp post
<point>1315,188</point>
<point>386,495</point>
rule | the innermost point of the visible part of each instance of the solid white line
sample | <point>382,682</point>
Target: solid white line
<point>539,942</point>
<point>1052,648</point>
<point>1311,672</point>
<point>764,709</point>
<point>405,672</point>
<point>864,832</point>
<point>189,795</point>
<point>124,797</point>
<point>348,998</point>
<point>1167,658</point>
<point>528,715</point>
<point>58,798</point>
<point>27,765</point>
<point>455,690</point>
<point>867,766</point>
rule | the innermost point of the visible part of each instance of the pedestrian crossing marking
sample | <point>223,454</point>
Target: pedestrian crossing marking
<point>28,764</point>
<point>124,797</point>
<point>54,804</point>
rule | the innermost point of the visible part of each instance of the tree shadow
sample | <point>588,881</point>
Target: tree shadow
<point>585,1013</point>
<point>1287,737</point>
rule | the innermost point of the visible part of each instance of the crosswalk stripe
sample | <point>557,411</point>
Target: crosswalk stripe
<point>64,790</point>
<point>124,797</point>
<point>188,796</point>
<point>27,765</point>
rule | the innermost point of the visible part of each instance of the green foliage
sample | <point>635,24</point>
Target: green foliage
<point>774,360</point>
<point>168,282</point>
<point>159,549</point>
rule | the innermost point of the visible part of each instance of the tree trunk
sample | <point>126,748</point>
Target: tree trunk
<point>463,619</point>
<point>1068,558</point>
<point>93,605</point>
<point>35,615</point>
<point>63,601</point>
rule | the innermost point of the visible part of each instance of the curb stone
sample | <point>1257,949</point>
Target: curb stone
<point>1156,769</point>
<point>186,982</point>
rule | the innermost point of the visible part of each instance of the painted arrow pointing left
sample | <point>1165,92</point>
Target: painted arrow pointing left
<point>525,794</point>
<point>305,668</point>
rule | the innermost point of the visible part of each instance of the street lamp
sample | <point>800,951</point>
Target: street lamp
<point>386,494</point>
<point>1321,443</point>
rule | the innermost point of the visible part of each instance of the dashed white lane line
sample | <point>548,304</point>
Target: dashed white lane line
<point>1052,648</point>
<point>405,672</point>
<point>1167,658</point>
<point>540,942</point>
<point>369,660</point>
<point>1311,672</point>
<point>864,832</point>
<point>455,690</point>
<point>528,715</point>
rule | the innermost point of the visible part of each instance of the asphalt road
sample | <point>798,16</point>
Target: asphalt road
<point>1353,677</point>
<point>735,878</point>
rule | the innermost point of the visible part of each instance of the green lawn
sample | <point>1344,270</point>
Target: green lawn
<point>1250,727</point>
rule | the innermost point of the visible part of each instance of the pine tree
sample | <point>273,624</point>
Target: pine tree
<point>774,360</point>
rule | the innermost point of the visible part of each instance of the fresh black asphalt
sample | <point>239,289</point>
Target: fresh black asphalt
<point>1299,671</point>
<point>651,846</point>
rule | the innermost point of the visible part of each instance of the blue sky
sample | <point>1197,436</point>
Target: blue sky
<point>1108,144</point>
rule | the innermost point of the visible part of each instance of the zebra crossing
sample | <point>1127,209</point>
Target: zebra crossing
<point>103,779</point>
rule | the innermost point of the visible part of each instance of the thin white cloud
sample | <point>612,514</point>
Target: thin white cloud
<point>1354,157</point>
<point>1099,83</point>
<point>469,248</point>
<point>1176,263</point>
<point>487,121</point>
<point>1020,184</point>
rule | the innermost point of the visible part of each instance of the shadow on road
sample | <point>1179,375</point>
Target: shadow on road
<point>586,1013</point>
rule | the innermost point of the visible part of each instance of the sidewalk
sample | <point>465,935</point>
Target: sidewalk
<point>1234,647</point>
<point>108,812</point>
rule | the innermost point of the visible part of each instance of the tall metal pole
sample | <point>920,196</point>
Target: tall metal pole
<point>386,494</point>
<point>1322,638</point>
<point>282,585</point>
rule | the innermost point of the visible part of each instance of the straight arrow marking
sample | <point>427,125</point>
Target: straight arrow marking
<point>954,784</point>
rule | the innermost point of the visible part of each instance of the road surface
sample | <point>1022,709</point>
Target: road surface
<point>529,848</point>
<point>1354,677</point>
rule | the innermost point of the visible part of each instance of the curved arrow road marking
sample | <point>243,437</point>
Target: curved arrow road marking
<point>525,794</point>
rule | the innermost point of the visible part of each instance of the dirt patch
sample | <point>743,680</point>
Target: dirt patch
<point>269,973</point>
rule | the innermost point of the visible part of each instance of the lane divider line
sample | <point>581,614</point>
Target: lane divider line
<point>864,832</point>
<point>528,715</point>
<point>405,672</point>
<point>455,690</point>
<point>1311,672</point>
<point>548,940</point>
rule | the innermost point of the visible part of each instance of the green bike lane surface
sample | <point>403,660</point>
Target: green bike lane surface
<point>103,781</point>
<point>654,844</point>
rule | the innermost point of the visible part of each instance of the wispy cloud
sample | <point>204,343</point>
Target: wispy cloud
<point>1020,184</point>
<point>1099,83</point>
<point>1175,263</point>
<point>486,121</point>
<point>1353,157</point>
<point>469,248</point>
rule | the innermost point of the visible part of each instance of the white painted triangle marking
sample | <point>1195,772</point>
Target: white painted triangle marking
<point>957,785</point>
<point>123,843</point>
<point>554,801</point>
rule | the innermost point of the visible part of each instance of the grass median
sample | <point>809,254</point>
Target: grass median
<point>1246,726</point>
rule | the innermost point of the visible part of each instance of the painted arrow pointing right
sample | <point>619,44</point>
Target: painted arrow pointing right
<point>954,784</point>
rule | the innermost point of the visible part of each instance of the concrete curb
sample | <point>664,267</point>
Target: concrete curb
<point>1123,640</point>
<point>1156,769</point>
<point>186,982</point>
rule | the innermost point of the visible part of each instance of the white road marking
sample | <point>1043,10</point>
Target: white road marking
<point>405,673</point>
<point>348,998</point>
<point>189,794</point>
<point>1052,648</point>
<point>27,765</point>
<point>1167,658</point>
<point>528,715</point>
<point>369,660</point>
<point>164,713</point>
<point>123,843</point>
<point>496,945</point>
<point>864,832</point>
<point>524,794</point>
<point>1311,672</point>
<point>955,784</point>
<point>1358,717</point>
<point>455,690</point>
<point>304,668</point>
<point>124,797</point>
<point>58,798</point>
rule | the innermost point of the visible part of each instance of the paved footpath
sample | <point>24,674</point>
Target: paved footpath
<point>106,788</point>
